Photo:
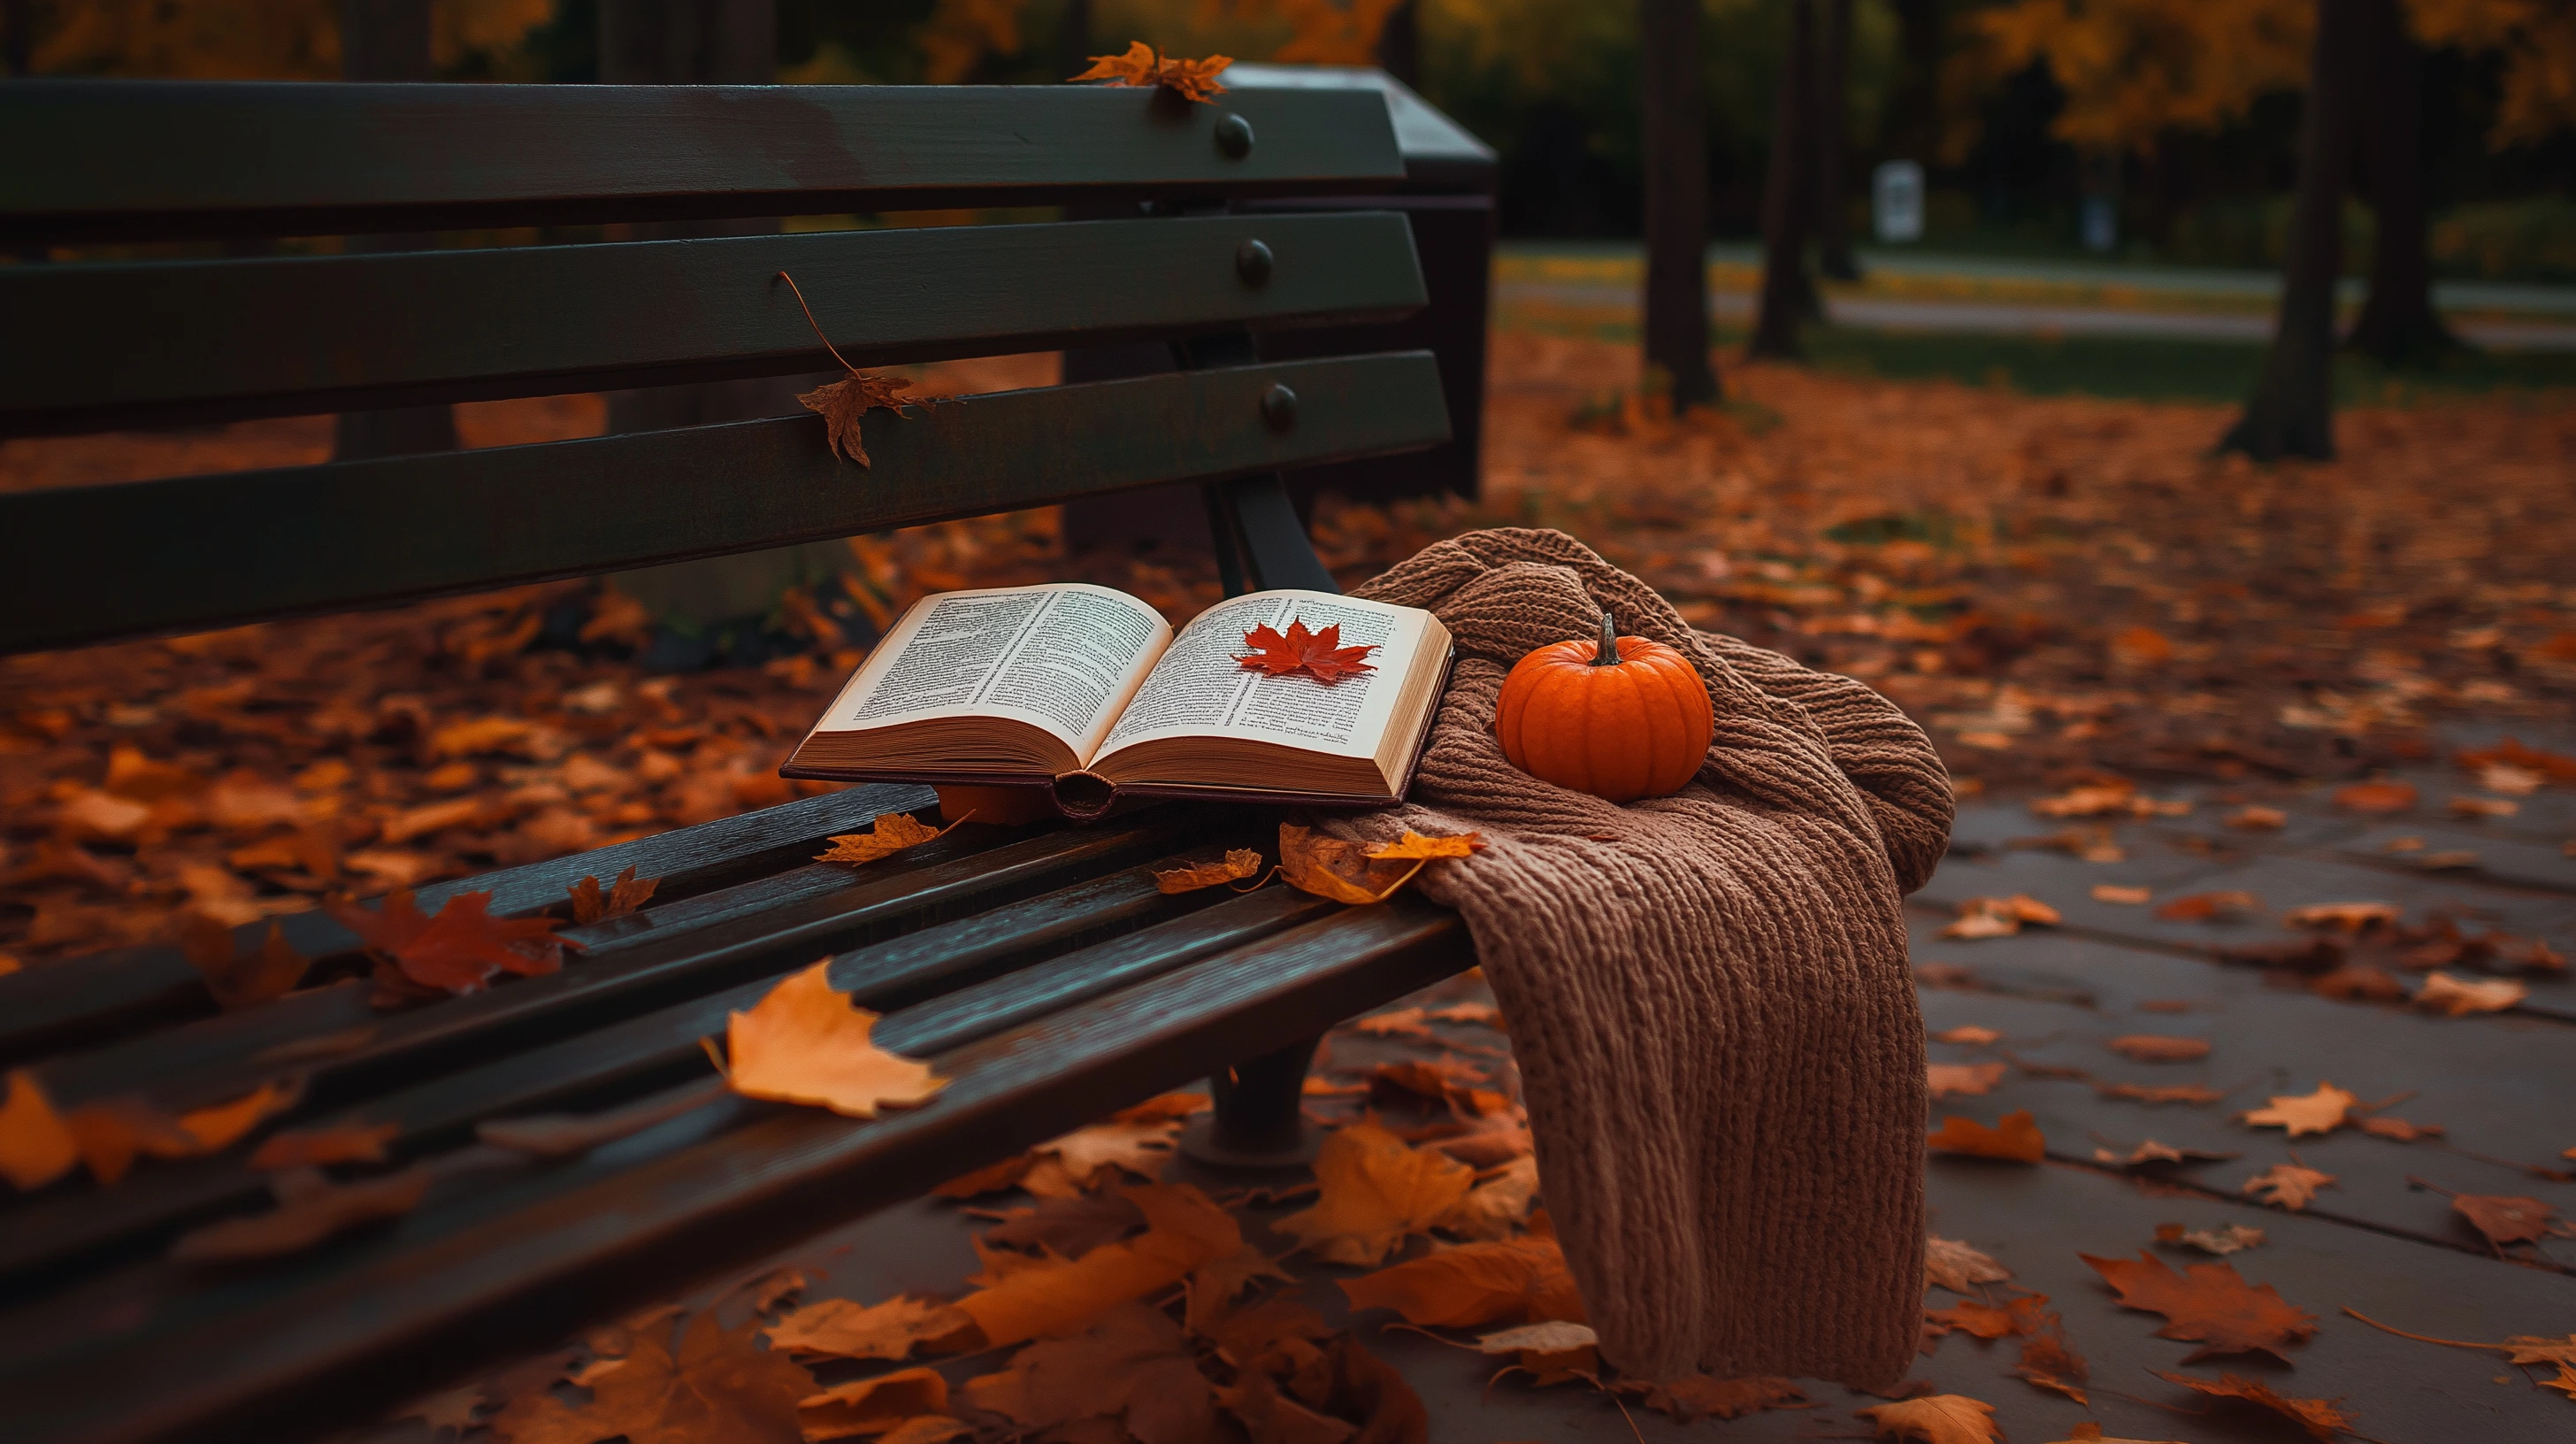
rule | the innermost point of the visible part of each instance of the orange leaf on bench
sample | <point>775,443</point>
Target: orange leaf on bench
<point>1144,65</point>
<point>461,948</point>
<point>805,1043</point>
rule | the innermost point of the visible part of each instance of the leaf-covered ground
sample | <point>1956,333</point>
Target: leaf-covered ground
<point>2050,584</point>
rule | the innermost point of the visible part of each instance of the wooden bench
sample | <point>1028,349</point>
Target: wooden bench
<point>1037,967</point>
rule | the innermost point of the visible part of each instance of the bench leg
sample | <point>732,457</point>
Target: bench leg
<point>1258,1121</point>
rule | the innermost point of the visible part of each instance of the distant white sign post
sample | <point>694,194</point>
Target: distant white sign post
<point>1896,201</point>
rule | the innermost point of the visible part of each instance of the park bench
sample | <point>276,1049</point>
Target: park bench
<point>1037,966</point>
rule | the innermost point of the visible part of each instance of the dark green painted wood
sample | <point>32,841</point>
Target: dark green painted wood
<point>88,564</point>
<point>163,159</point>
<point>513,1259</point>
<point>94,347</point>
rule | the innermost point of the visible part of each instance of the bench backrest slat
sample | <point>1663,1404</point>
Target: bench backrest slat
<point>90,564</point>
<point>88,347</point>
<point>162,159</point>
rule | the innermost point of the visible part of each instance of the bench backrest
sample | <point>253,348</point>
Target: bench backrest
<point>107,345</point>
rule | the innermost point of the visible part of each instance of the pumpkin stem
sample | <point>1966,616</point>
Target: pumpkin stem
<point>1608,656</point>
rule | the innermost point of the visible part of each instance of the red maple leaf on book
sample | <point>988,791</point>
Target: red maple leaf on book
<point>1319,655</point>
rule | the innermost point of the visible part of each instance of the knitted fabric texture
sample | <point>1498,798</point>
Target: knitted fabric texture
<point>1707,993</point>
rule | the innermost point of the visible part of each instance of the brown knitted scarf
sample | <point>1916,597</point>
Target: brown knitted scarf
<point>1707,993</point>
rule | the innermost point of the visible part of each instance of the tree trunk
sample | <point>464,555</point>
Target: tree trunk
<point>389,40</point>
<point>2292,410</point>
<point>1073,39</point>
<point>1788,295</point>
<point>1832,111</point>
<point>2398,322</point>
<point>1676,144</point>
<point>1399,44</point>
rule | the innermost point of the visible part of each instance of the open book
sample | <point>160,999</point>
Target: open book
<point>1089,691</point>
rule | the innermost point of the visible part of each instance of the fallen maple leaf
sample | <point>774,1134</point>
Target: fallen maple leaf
<point>336,1143</point>
<point>1075,1162</point>
<point>2047,1362</point>
<point>2457,997</point>
<point>310,1209</point>
<point>1271,1417</point>
<point>2323,1111</point>
<point>2234,1238</point>
<point>720,1385</point>
<point>894,832</point>
<point>1194,80</point>
<point>845,1329</point>
<point>2202,907</point>
<point>1184,1232</point>
<point>1497,1207</point>
<point>2017,1138</point>
<point>1982,1320</point>
<point>2157,1048</point>
<point>1319,655</point>
<point>459,950</point>
<point>1701,1397</point>
<point>1956,1267</point>
<point>2209,1304</point>
<point>1973,1036</point>
<point>2161,1092</point>
<point>2290,1185</point>
<point>1999,917</point>
<point>1341,870</point>
<point>2320,1417</point>
<point>804,1043</point>
<point>1131,1364</point>
<point>1415,845</point>
<point>624,896</point>
<point>1555,1352</point>
<point>240,978</point>
<point>1214,1285</point>
<point>2399,1129</point>
<point>872,1405</point>
<point>2507,1218</point>
<point>2350,917</point>
<point>1511,1280</point>
<point>1238,863</point>
<point>2375,797</point>
<point>2105,892</point>
<point>216,1128</point>
<point>1936,1419</point>
<point>1375,1190</point>
<point>36,1145</point>
<point>1966,1079</point>
<point>2151,1154</point>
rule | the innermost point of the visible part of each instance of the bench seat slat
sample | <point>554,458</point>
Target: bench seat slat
<point>94,563</point>
<point>162,159</point>
<point>519,1259</point>
<point>49,1010</point>
<point>293,336</point>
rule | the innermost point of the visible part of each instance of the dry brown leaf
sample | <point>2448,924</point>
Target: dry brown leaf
<point>2507,1218</point>
<point>1701,1397</point>
<point>2161,1092</point>
<point>2017,1138</point>
<point>1068,1227</point>
<point>310,1209</point>
<point>2458,997</point>
<point>2258,819</point>
<point>1936,1419</point>
<point>2048,1363</point>
<point>2399,1129</point>
<point>2375,797</point>
<point>37,1145</point>
<point>1271,1417</point>
<point>2104,892</point>
<point>1194,80</point>
<point>1415,845</point>
<point>240,979</point>
<point>845,1329</point>
<point>1957,1267</point>
<point>2206,907</point>
<point>1962,1079</point>
<point>1237,864</point>
<point>2290,1185</point>
<point>1375,1190</point>
<point>459,950</point>
<point>1085,1157</point>
<point>2234,1238</point>
<point>1184,1232</point>
<point>2322,1418</point>
<point>333,1143</point>
<point>2158,1048</point>
<point>1982,1320</point>
<point>720,1385</point>
<point>872,1406</point>
<point>894,831</point>
<point>804,1043</point>
<point>1214,1285</point>
<point>1341,870</point>
<point>1132,1363</point>
<point>1973,1036</point>
<point>1999,917</point>
<point>624,896</point>
<point>1507,1281</point>
<point>2208,1304</point>
<point>926,1429</point>
<point>1497,1207</point>
<point>2323,1111</point>
<point>843,404</point>
<point>2151,1154</point>
<point>2348,917</point>
<point>216,1128</point>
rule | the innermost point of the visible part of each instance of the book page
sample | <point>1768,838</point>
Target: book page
<point>1063,658</point>
<point>1199,688</point>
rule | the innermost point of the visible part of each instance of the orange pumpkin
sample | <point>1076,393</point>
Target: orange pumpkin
<point>1618,717</point>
